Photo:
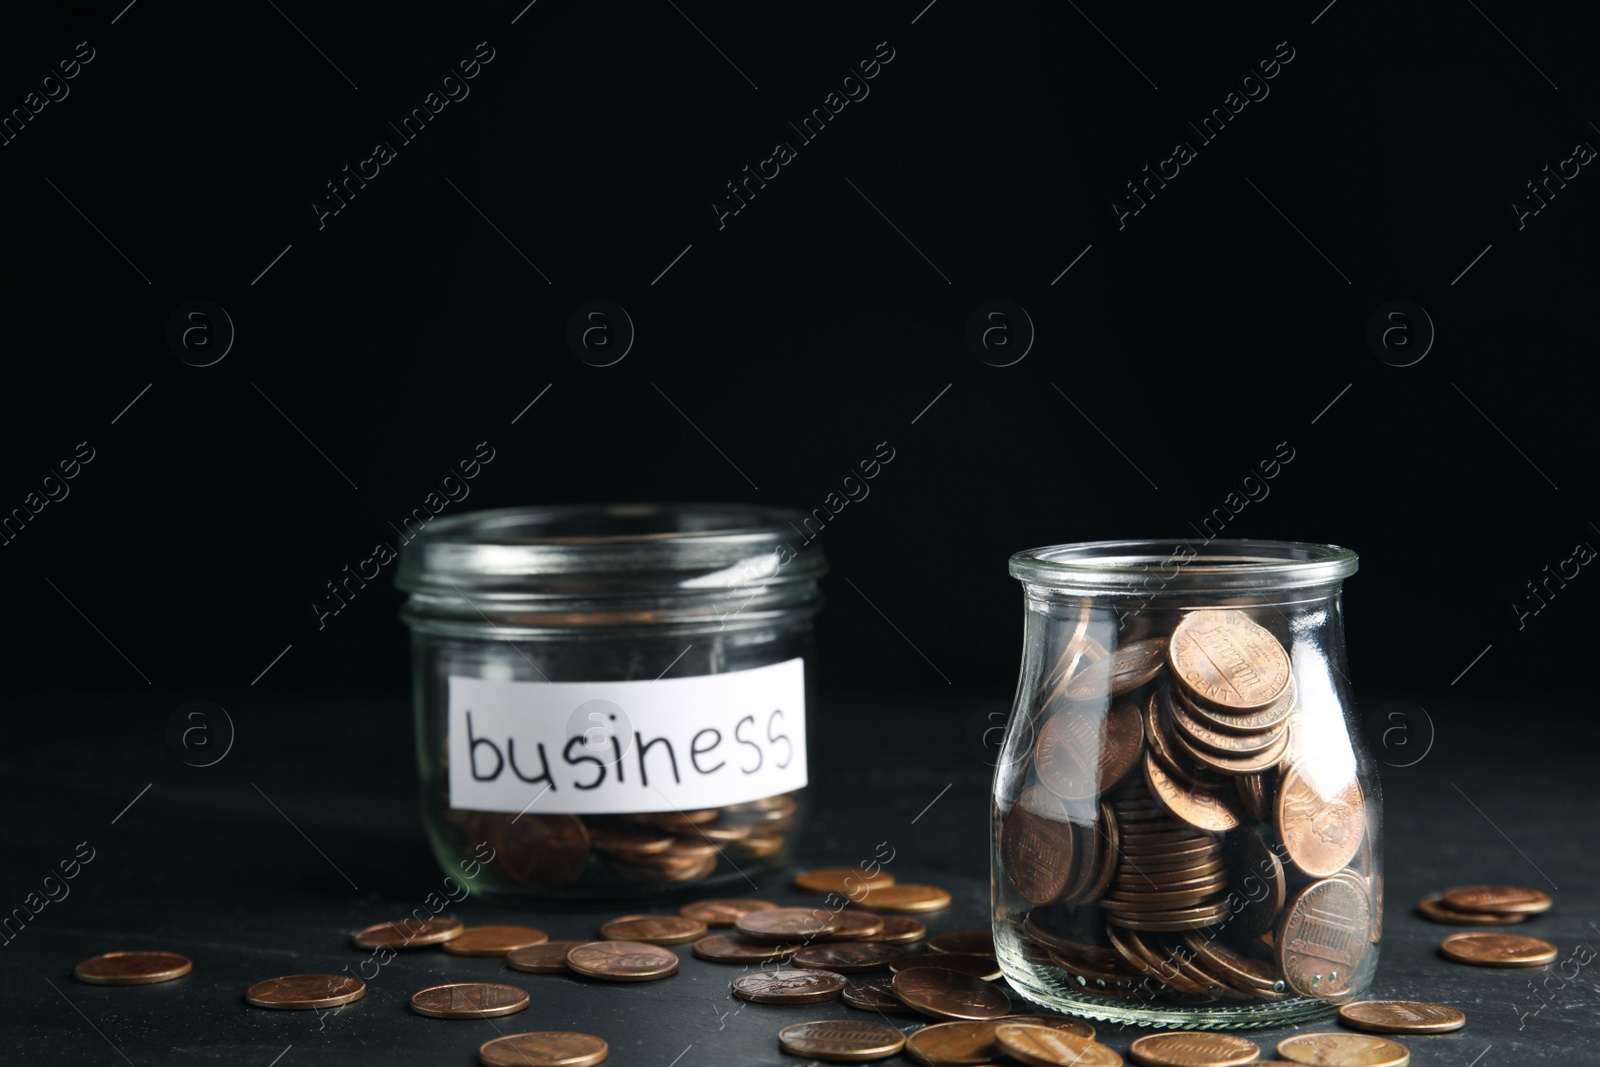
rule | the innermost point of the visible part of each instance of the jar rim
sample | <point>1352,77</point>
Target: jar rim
<point>609,550</point>
<point>1181,565</point>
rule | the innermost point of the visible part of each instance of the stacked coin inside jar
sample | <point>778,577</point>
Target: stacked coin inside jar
<point>1185,826</point>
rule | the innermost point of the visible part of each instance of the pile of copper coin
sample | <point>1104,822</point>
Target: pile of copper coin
<point>545,852</point>
<point>1176,831</point>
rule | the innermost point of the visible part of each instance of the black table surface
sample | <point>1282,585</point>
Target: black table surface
<point>265,863</point>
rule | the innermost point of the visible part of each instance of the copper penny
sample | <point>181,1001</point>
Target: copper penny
<point>1044,1046</point>
<point>493,940</point>
<point>676,819</point>
<point>1241,972</point>
<point>468,1000</point>
<point>303,992</point>
<point>849,882</point>
<point>946,994</point>
<point>622,961</point>
<point>548,957</point>
<point>786,986</point>
<point>1036,843</point>
<point>1344,1050</point>
<point>543,1048</point>
<point>654,929</point>
<point>722,948</point>
<point>1227,659</point>
<point>787,924</point>
<point>132,968</point>
<point>1191,725</point>
<point>974,942</point>
<point>847,957</point>
<point>958,1044</point>
<point>1432,908</point>
<point>874,994</point>
<point>404,933</point>
<point>1498,950</point>
<point>984,967</point>
<point>1401,1017</point>
<point>541,851</point>
<point>629,839</point>
<point>899,930</point>
<point>1081,754</point>
<point>841,1040</point>
<point>1193,1050</point>
<point>1235,766</point>
<point>1120,673</point>
<point>1055,1022</point>
<point>722,911</point>
<point>1323,938</point>
<point>906,898</point>
<point>1259,889</point>
<point>1199,808</point>
<point>1273,718</point>
<point>1497,900</point>
<point>853,924</point>
<point>1321,831</point>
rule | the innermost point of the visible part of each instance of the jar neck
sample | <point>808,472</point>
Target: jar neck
<point>507,615</point>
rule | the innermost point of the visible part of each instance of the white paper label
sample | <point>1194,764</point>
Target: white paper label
<point>674,744</point>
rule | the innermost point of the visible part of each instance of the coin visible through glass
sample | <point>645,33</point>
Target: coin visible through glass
<point>132,968</point>
<point>304,992</point>
<point>1324,937</point>
<point>976,942</point>
<point>543,1048</point>
<point>468,1000</point>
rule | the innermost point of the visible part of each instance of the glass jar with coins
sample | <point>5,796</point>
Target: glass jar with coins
<point>611,701</point>
<point>1186,824</point>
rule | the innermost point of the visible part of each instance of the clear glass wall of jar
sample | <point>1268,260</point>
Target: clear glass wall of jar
<point>610,701</point>
<point>1186,824</point>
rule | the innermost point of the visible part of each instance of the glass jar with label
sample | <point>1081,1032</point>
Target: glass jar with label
<point>611,701</point>
<point>1186,824</point>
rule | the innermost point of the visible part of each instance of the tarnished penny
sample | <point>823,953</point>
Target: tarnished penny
<point>1401,1017</point>
<point>1497,900</point>
<point>1120,673</point>
<point>841,1040</point>
<point>1036,843</point>
<point>984,967</point>
<point>975,942</point>
<point>848,882</point>
<point>874,994</point>
<point>541,851</point>
<point>787,924</point>
<point>1344,1050</point>
<point>493,940</point>
<point>468,1000</point>
<point>403,933</point>
<point>946,994</point>
<point>724,948</point>
<point>549,957</point>
<point>899,930</point>
<point>1227,659</point>
<point>132,968</point>
<point>1498,950</point>
<point>1324,938</point>
<point>543,1048</point>
<point>847,957</point>
<point>1193,1050</point>
<point>1080,755</point>
<point>723,911</point>
<point>1044,1046</point>
<point>787,986</point>
<point>622,961</point>
<point>304,992</point>
<point>1432,908</point>
<point>1197,807</point>
<point>906,898</point>
<point>1321,834</point>
<point>654,929</point>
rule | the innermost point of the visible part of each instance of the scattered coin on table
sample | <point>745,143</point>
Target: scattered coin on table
<point>846,881</point>
<point>789,986</point>
<point>1044,1046</point>
<point>1498,950</point>
<point>946,994</point>
<point>723,911</point>
<point>1433,908</point>
<point>132,968</point>
<point>875,994</point>
<point>493,940</point>
<point>905,898</point>
<point>1193,1050</point>
<point>547,957</point>
<point>543,1048</point>
<point>841,1040</point>
<point>1401,1017</point>
<point>848,957</point>
<point>899,930</point>
<point>468,1000</point>
<point>622,961</point>
<point>305,992</point>
<point>722,948</point>
<point>1344,1050</point>
<point>1497,900</point>
<point>787,924</point>
<point>965,942</point>
<point>969,1044</point>
<point>404,933</point>
<point>654,929</point>
<point>984,967</point>
<point>853,924</point>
